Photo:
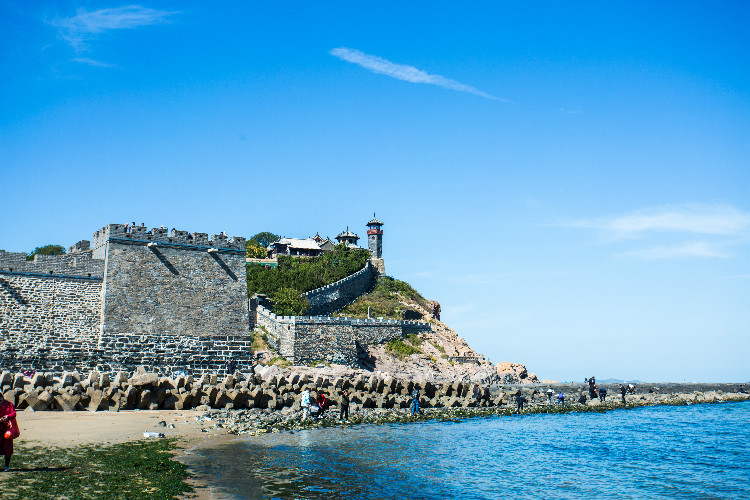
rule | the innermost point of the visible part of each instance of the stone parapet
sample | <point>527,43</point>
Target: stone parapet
<point>79,263</point>
<point>331,298</point>
<point>305,339</point>
<point>141,234</point>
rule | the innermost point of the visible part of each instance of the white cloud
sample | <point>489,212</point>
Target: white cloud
<point>404,72</point>
<point>694,249</point>
<point>92,62</point>
<point>85,25</point>
<point>700,219</point>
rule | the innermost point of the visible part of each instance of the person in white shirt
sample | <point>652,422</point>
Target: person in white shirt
<point>305,403</point>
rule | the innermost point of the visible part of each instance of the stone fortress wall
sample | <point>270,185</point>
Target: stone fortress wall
<point>330,298</point>
<point>175,301</point>
<point>306,339</point>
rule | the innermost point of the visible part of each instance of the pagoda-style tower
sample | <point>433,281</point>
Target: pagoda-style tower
<point>375,238</point>
<point>347,237</point>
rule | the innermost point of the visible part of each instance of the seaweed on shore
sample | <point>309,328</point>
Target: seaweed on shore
<point>137,470</point>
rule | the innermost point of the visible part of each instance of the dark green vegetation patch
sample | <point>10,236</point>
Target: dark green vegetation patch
<point>384,300</point>
<point>297,275</point>
<point>139,470</point>
<point>46,250</point>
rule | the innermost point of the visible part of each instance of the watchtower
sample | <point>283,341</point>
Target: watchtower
<point>348,238</point>
<point>375,238</point>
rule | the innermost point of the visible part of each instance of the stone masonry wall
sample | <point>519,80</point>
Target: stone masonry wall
<point>172,288</point>
<point>47,320</point>
<point>73,264</point>
<point>304,339</point>
<point>333,297</point>
<point>186,353</point>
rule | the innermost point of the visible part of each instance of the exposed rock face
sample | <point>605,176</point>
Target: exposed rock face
<point>435,309</point>
<point>444,356</point>
<point>514,373</point>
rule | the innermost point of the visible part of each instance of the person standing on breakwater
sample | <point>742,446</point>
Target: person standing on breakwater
<point>486,396</point>
<point>415,401</point>
<point>478,395</point>
<point>344,411</point>
<point>322,403</point>
<point>520,401</point>
<point>623,391</point>
<point>550,393</point>
<point>8,429</point>
<point>305,403</point>
<point>592,387</point>
<point>561,399</point>
<point>602,394</point>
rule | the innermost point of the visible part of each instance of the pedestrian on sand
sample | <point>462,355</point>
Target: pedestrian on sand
<point>486,396</point>
<point>8,429</point>
<point>305,403</point>
<point>344,412</point>
<point>415,401</point>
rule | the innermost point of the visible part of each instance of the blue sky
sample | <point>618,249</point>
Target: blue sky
<point>570,181</point>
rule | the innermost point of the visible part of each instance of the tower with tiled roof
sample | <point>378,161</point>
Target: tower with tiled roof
<point>375,238</point>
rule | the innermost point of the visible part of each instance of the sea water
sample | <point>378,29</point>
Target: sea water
<point>670,452</point>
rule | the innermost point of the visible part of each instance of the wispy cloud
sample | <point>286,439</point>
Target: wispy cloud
<point>404,72</point>
<point>720,228</point>
<point>92,62</point>
<point>700,219</point>
<point>86,25</point>
<point>693,249</point>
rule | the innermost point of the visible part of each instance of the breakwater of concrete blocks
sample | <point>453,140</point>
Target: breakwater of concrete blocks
<point>267,389</point>
<point>148,391</point>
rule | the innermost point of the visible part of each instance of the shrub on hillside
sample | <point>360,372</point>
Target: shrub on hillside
<point>384,300</point>
<point>401,348</point>
<point>304,273</point>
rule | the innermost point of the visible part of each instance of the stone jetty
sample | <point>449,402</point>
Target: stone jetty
<point>271,391</point>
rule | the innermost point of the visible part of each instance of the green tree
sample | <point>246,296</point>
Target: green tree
<point>254,251</point>
<point>46,250</point>
<point>289,302</point>
<point>263,239</point>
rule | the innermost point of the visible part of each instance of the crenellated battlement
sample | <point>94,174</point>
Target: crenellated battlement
<point>307,338</point>
<point>77,264</point>
<point>141,234</point>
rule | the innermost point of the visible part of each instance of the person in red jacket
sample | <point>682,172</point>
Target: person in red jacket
<point>7,418</point>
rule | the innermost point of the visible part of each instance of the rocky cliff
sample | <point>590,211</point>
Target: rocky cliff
<point>437,355</point>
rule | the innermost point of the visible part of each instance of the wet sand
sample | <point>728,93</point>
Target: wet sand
<point>53,429</point>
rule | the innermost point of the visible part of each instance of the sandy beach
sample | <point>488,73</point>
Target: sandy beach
<point>70,429</point>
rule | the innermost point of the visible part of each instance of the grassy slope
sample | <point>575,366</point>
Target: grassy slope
<point>385,300</point>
